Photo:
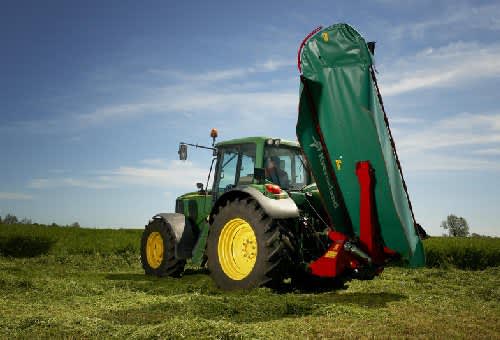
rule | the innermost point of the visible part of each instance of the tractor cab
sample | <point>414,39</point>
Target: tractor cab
<point>259,160</point>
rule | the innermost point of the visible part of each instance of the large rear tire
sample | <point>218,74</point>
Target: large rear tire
<point>245,247</point>
<point>158,250</point>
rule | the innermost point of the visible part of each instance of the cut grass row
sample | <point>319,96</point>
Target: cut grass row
<point>30,240</point>
<point>84,283</point>
<point>91,296</point>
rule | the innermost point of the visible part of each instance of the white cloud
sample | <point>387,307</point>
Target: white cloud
<point>237,93</point>
<point>455,18</point>
<point>45,126</point>
<point>404,120</point>
<point>173,174</point>
<point>15,196</point>
<point>44,183</point>
<point>451,143</point>
<point>455,65</point>
<point>39,183</point>
<point>177,174</point>
<point>488,152</point>
<point>155,161</point>
<point>271,65</point>
<point>434,161</point>
<point>242,103</point>
<point>457,131</point>
<point>119,111</point>
<point>209,76</point>
<point>275,64</point>
<point>57,171</point>
<point>202,101</point>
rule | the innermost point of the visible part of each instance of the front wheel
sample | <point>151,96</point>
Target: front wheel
<point>158,250</point>
<point>245,248</point>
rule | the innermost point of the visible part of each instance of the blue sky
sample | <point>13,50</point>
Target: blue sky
<point>96,96</point>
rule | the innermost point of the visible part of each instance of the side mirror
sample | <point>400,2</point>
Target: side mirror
<point>199,186</point>
<point>259,174</point>
<point>183,152</point>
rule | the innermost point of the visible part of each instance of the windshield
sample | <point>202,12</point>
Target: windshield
<point>285,166</point>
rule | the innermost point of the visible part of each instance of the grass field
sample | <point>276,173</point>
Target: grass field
<point>85,283</point>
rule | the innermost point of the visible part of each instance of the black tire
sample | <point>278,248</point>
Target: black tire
<point>169,266</point>
<point>272,259</point>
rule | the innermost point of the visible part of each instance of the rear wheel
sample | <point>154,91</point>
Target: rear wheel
<point>245,248</point>
<point>158,250</point>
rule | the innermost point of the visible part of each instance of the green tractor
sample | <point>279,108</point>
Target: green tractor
<point>332,206</point>
<point>241,227</point>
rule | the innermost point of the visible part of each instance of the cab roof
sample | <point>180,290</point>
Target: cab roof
<point>257,140</point>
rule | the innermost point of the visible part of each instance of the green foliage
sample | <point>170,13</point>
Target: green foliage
<point>21,246</point>
<point>10,219</point>
<point>32,240</point>
<point>456,226</point>
<point>25,220</point>
<point>29,240</point>
<point>463,252</point>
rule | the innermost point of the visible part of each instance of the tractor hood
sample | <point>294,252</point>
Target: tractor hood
<point>341,122</point>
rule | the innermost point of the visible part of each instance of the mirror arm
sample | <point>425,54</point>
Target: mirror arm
<point>199,146</point>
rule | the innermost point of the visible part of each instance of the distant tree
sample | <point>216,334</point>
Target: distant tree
<point>75,225</point>
<point>10,219</point>
<point>26,221</point>
<point>54,224</point>
<point>1,220</point>
<point>456,226</point>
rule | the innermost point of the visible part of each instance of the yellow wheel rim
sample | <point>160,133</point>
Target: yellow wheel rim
<point>154,249</point>
<point>237,249</point>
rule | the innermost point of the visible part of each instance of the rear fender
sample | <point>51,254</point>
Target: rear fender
<point>274,208</point>
<point>184,232</point>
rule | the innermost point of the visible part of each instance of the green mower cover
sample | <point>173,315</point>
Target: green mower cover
<point>341,122</point>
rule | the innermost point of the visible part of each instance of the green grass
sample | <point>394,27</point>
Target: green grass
<point>31,240</point>
<point>463,252</point>
<point>89,284</point>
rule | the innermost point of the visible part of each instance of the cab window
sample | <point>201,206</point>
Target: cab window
<point>285,166</point>
<point>227,172</point>
<point>236,166</point>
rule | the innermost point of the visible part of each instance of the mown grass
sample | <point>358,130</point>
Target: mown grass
<point>100,291</point>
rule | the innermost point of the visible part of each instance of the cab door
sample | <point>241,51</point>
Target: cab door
<point>235,166</point>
